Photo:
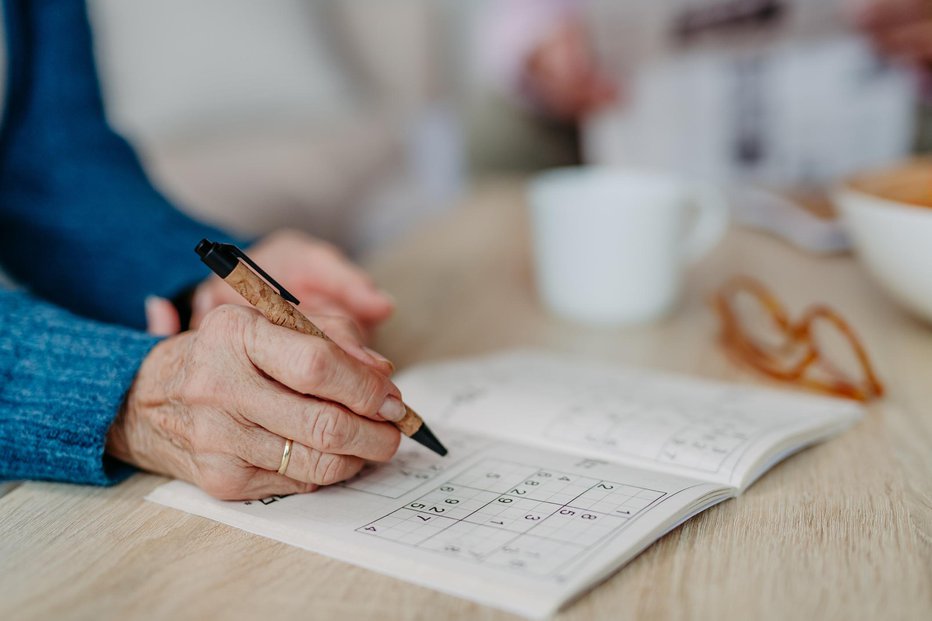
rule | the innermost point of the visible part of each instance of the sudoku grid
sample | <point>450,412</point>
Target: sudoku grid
<point>516,516</point>
<point>678,436</point>
<point>411,468</point>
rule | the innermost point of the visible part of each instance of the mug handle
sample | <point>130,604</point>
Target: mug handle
<point>709,226</point>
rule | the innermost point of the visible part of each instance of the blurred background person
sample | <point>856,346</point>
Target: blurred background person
<point>773,92</point>
<point>357,120</point>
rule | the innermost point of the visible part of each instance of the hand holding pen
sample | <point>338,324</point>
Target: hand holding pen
<point>245,408</point>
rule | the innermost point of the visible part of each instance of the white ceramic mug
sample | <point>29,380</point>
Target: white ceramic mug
<point>610,244</point>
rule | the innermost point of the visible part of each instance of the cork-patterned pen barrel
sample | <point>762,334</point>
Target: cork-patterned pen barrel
<point>224,260</point>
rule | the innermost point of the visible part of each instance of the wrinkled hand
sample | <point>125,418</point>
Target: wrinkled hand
<point>900,28</point>
<point>563,75</point>
<point>316,272</point>
<point>213,406</point>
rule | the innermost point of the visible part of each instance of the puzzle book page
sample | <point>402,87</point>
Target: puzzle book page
<point>724,433</point>
<point>518,528</point>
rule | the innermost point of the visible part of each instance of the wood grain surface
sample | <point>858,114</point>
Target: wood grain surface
<point>840,531</point>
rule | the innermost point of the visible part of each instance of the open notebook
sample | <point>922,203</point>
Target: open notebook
<point>560,471</point>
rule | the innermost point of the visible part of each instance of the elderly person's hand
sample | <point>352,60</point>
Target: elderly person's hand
<point>900,28</point>
<point>214,406</point>
<point>316,272</point>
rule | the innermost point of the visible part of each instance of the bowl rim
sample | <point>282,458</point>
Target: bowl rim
<point>903,206</point>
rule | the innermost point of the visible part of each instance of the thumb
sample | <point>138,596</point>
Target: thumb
<point>161,317</point>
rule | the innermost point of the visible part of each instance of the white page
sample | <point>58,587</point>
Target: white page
<point>685,426</point>
<point>517,528</point>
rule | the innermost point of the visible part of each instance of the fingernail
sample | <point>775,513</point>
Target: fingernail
<point>379,357</point>
<point>392,409</point>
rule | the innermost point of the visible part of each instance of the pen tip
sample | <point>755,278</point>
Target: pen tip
<point>426,437</point>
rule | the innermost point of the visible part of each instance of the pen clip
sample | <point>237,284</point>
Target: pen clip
<point>271,281</point>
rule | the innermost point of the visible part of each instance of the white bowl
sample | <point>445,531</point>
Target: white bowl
<point>894,242</point>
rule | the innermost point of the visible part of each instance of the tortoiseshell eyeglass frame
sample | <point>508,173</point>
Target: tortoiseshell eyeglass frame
<point>799,355</point>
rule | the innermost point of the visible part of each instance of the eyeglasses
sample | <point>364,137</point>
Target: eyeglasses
<point>792,351</point>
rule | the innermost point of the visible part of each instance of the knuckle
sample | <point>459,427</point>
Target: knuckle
<point>331,428</point>
<point>371,393</point>
<point>318,362</point>
<point>225,316</point>
<point>229,325</point>
<point>329,469</point>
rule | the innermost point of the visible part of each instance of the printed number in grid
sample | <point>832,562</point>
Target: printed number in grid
<point>616,499</point>
<point>559,516</point>
<point>550,486</point>
<point>408,526</point>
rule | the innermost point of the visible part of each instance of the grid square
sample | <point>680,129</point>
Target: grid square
<point>469,541</point>
<point>494,475</point>
<point>578,526</point>
<point>615,499</point>
<point>407,526</point>
<point>452,501</point>
<point>534,555</point>
<point>514,514</point>
<point>550,486</point>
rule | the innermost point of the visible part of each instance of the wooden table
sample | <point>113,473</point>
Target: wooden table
<point>841,531</point>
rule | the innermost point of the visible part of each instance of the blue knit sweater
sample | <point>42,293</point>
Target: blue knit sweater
<point>86,234</point>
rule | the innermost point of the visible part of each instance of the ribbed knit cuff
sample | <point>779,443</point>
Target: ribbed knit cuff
<point>62,381</point>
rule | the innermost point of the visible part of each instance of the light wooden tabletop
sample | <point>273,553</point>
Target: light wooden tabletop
<point>840,531</point>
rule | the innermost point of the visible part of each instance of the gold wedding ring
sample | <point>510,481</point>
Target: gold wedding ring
<point>286,457</point>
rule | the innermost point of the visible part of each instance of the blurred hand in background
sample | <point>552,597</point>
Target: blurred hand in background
<point>900,29</point>
<point>563,76</point>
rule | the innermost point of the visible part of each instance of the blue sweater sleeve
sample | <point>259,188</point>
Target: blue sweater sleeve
<point>62,381</point>
<point>80,223</point>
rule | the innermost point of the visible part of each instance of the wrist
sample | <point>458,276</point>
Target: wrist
<point>135,429</point>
